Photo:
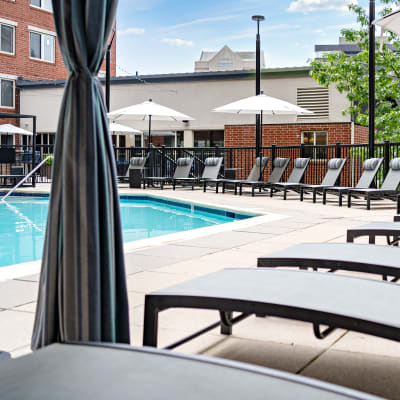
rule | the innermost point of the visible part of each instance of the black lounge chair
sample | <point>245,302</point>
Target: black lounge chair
<point>104,371</point>
<point>335,300</point>
<point>134,163</point>
<point>300,166</point>
<point>370,169</point>
<point>391,230</point>
<point>182,170</point>
<point>254,176</point>
<point>279,167</point>
<point>388,189</point>
<point>212,165</point>
<point>335,168</point>
<point>366,258</point>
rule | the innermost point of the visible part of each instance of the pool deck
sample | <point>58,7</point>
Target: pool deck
<point>347,358</point>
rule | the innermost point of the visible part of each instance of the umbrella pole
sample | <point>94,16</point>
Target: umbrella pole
<point>261,155</point>
<point>149,129</point>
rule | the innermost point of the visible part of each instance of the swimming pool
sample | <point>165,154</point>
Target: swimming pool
<point>23,222</point>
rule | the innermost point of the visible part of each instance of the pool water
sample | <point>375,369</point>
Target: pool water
<point>23,223</point>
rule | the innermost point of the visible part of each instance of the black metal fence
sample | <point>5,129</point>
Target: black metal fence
<point>237,160</point>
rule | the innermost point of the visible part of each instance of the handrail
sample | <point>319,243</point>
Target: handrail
<point>11,191</point>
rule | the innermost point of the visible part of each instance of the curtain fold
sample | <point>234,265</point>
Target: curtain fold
<point>82,291</point>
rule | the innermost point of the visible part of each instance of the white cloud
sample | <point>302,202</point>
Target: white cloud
<point>199,21</point>
<point>131,31</point>
<point>318,5</point>
<point>178,42</point>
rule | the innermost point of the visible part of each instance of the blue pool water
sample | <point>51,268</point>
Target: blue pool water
<point>23,223</point>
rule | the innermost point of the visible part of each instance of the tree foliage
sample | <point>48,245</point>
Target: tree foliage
<point>350,74</point>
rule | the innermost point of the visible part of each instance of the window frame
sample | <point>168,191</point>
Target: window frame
<point>13,80</point>
<point>315,156</point>
<point>13,25</point>
<point>40,8</point>
<point>42,32</point>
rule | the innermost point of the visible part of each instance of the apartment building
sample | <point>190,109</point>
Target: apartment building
<point>29,51</point>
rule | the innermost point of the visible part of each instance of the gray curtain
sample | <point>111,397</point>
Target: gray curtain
<point>82,292</point>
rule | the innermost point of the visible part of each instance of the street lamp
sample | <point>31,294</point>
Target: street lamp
<point>258,18</point>
<point>108,67</point>
<point>371,86</point>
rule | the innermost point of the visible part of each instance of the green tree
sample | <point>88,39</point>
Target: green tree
<point>350,75</point>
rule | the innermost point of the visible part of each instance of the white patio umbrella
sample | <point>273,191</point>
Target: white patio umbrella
<point>148,110</point>
<point>390,22</point>
<point>262,105</point>
<point>125,130</point>
<point>12,129</point>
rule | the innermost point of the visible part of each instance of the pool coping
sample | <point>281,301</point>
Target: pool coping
<point>250,217</point>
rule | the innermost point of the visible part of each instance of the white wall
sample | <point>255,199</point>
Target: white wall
<point>196,99</point>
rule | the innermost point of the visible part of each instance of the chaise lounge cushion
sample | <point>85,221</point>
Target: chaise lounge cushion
<point>395,164</point>
<point>211,161</point>
<point>300,162</point>
<point>371,164</point>
<point>279,162</point>
<point>335,163</point>
<point>136,161</point>
<point>264,161</point>
<point>181,162</point>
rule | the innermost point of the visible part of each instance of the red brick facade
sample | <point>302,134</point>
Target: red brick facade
<point>290,134</point>
<point>20,64</point>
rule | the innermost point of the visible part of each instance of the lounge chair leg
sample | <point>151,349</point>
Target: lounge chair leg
<point>368,202</point>
<point>252,190</point>
<point>398,204</point>
<point>314,196</point>
<point>284,194</point>
<point>270,192</point>
<point>216,187</point>
<point>340,199</point>
<point>226,322</point>
<point>223,188</point>
<point>150,324</point>
<point>348,200</point>
<point>301,194</point>
<point>322,335</point>
<point>324,197</point>
<point>204,187</point>
<point>173,185</point>
<point>240,189</point>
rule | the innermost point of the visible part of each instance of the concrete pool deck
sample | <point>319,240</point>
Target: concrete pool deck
<point>347,358</point>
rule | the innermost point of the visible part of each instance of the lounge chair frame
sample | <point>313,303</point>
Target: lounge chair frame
<point>365,181</point>
<point>264,291</point>
<point>120,371</point>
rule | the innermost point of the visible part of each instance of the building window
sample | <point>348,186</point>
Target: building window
<point>7,38</point>
<point>6,140</point>
<point>42,46</point>
<point>315,138</point>
<point>225,63</point>
<point>43,4</point>
<point>6,93</point>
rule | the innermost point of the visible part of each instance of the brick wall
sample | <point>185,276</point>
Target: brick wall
<point>360,134</point>
<point>284,135</point>
<point>20,64</point>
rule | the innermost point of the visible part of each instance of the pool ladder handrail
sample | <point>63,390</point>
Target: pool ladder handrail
<point>11,191</point>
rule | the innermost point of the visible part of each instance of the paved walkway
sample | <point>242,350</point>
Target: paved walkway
<point>347,358</point>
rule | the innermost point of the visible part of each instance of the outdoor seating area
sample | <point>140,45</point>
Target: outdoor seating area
<point>184,260</point>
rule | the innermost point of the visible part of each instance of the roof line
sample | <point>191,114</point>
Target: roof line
<point>179,77</point>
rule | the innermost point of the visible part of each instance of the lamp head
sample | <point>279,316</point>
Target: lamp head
<point>258,18</point>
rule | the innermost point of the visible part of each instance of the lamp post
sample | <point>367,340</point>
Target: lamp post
<point>371,85</point>
<point>108,67</point>
<point>258,18</point>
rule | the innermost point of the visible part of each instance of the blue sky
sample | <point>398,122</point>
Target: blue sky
<point>167,36</point>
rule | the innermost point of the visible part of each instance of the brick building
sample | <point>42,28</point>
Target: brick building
<point>29,50</point>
